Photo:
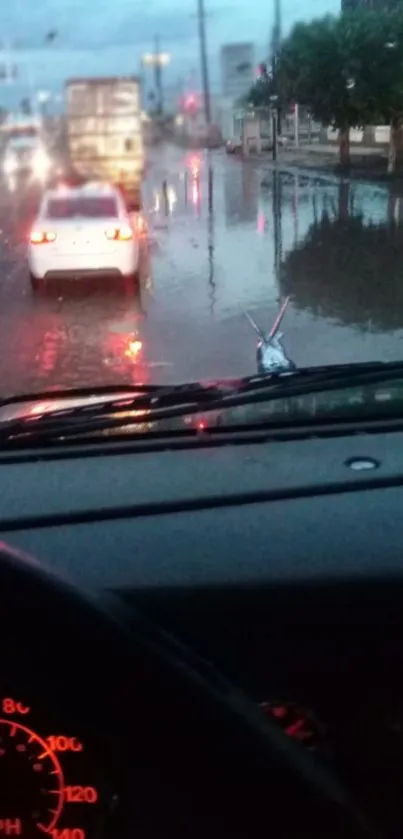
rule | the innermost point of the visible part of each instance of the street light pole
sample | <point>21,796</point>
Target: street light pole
<point>203,58</point>
<point>157,60</point>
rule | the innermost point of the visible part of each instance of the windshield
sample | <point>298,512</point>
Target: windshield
<point>260,160</point>
<point>65,208</point>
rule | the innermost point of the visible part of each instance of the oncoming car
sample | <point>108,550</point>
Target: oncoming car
<point>26,155</point>
<point>80,231</point>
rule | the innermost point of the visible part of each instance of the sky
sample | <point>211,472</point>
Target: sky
<point>107,37</point>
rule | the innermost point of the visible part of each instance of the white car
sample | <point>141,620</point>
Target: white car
<point>81,231</point>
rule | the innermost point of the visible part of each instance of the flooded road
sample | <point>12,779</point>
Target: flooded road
<point>224,237</point>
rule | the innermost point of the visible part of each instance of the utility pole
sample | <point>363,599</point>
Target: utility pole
<point>201,14</point>
<point>158,76</point>
<point>276,31</point>
<point>275,50</point>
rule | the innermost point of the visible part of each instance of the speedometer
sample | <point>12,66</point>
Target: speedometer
<point>49,780</point>
<point>31,782</point>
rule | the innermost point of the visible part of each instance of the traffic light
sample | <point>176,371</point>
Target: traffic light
<point>190,104</point>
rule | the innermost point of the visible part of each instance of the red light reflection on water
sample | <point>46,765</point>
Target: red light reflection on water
<point>193,163</point>
<point>124,356</point>
<point>133,349</point>
<point>195,192</point>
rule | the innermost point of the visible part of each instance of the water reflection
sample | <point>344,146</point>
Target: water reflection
<point>74,352</point>
<point>210,238</point>
<point>277,224</point>
<point>349,265</point>
<point>241,194</point>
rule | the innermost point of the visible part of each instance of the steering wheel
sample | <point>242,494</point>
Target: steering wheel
<point>196,758</point>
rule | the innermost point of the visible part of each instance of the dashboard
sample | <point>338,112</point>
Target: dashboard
<point>297,600</point>
<point>323,661</point>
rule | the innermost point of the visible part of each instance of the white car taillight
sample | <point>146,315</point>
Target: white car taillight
<point>122,233</point>
<point>10,164</point>
<point>40,163</point>
<point>42,237</point>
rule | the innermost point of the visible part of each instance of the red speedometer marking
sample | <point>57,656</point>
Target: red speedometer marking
<point>44,761</point>
<point>297,722</point>
<point>293,729</point>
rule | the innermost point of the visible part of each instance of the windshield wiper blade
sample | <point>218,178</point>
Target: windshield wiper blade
<point>118,390</point>
<point>179,400</point>
<point>76,393</point>
<point>149,403</point>
<point>254,381</point>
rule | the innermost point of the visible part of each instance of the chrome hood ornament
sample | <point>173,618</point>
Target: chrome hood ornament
<point>271,356</point>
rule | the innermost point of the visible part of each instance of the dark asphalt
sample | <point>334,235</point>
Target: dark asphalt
<point>224,236</point>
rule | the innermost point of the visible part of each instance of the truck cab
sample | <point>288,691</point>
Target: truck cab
<point>25,154</point>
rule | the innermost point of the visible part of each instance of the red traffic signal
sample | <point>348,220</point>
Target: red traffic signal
<point>191,103</point>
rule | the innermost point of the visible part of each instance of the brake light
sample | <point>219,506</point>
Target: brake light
<point>119,234</point>
<point>41,237</point>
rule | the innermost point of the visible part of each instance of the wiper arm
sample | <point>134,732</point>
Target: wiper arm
<point>153,403</point>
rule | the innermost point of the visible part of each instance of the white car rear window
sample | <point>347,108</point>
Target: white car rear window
<point>23,143</point>
<point>83,207</point>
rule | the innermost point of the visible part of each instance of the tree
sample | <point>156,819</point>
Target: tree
<point>372,45</point>
<point>314,70</point>
<point>349,72</point>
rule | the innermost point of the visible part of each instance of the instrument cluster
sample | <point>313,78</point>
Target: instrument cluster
<point>50,777</point>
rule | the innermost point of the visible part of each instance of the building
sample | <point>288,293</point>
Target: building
<point>237,70</point>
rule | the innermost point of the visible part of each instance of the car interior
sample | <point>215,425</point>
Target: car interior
<point>203,640</point>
